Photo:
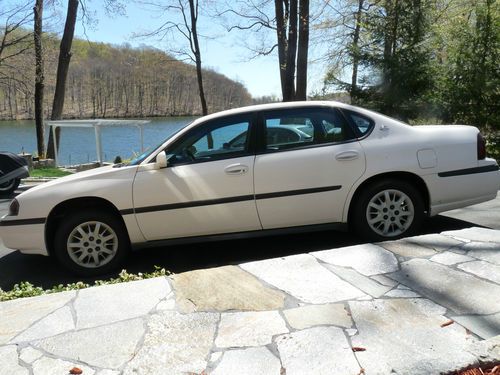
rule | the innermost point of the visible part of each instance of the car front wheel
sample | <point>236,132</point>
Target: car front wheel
<point>90,243</point>
<point>9,187</point>
<point>388,210</point>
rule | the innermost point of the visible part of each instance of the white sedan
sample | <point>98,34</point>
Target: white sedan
<point>253,171</point>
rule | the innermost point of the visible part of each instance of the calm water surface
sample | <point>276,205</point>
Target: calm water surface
<point>77,145</point>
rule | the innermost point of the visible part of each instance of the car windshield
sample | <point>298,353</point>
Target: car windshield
<point>139,159</point>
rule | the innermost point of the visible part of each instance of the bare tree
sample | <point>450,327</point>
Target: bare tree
<point>15,40</point>
<point>62,72</point>
<point>39,77</point>
<point>289,19</point>
<point>187,27</point>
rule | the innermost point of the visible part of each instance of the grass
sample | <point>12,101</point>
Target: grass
<point>48,172</point>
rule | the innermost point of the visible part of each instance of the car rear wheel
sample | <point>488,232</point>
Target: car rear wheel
<point>90,243</point>
<point>9,187</point>
<point>388,210</point>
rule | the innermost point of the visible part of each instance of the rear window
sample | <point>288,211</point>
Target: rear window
<point>362,124</point>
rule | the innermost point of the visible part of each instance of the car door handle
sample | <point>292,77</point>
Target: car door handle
<point>236,169</point>
<point>347,155</point>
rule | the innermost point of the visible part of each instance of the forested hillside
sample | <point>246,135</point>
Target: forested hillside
<point>115,81</point>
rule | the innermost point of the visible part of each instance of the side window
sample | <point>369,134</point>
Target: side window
<point>216,141</point>
<point>293,129</point>
<point>362,123</point>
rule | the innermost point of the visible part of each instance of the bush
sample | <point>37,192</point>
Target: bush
<point>26,289</point>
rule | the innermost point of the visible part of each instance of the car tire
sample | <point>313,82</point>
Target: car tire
<point>388,210</point>
<point>7,188</point>
<point>91,243</point>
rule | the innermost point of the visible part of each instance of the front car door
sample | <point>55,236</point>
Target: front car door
<point>207,187</point>
<point>304,179</point>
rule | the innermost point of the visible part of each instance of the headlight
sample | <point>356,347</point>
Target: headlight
<point>14,208</point>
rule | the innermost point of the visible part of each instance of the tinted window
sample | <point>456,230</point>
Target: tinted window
<point>291,129</point>
<point>216,141</point>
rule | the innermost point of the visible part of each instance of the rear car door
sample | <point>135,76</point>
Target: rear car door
<point>207,187</point>
<point>305,179</point>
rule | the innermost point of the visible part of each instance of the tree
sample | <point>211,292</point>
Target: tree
<point>62,72</point>
<point>39,77</point>
<point>290,21</point>
<point>186,25</point>
<point>15,42</point>
<point>388,43</point>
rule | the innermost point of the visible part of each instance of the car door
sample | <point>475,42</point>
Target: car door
<point>207,187</point>
<point>305,180</point>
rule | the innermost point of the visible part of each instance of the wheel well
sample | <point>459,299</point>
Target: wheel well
<point>67,207</point>
<point>411,178</point>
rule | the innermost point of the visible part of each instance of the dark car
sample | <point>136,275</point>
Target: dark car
<point>12,169</point>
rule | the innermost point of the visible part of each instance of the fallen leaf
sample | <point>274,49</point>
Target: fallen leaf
<point>448,323</point>
<point>358,349</point>
<point>76,371</point>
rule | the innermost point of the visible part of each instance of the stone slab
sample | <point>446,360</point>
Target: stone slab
<point>249,328</point>
<point>19,314</point>
<point>51,366</point>
<point>29,355</point>
<point>304,278</point>
<point>314,315</point>
<point>111,303</point>
<point>225,288</point>
<point>175,344</point>
<point>449,258</point>
<point>107,346</point>
<point>59,321</point>
<point>9,364</point>
<point>483,269</point>
<point>404,336</point>
<point>487,251</point>
<point>407,249</point>
<point>402,293</point>
<point>363,283</point>
<point>251,361</point>
<point>485,326</point>
<point>384,280</point>
<point>367,259</point>
<point>475,234</point>
<point>437,242</point>
<point>449,287</point>
<point>318,350</point>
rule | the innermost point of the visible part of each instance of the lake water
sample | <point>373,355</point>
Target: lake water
<point>77,145</point>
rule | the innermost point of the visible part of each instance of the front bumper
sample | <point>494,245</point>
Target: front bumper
<point>26,236</point>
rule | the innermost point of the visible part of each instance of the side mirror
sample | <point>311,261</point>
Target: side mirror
<point>161,160</point>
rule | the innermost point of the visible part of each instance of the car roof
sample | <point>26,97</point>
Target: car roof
<point>273,106</point>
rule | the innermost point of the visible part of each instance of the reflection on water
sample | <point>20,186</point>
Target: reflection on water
<point>77,145</point>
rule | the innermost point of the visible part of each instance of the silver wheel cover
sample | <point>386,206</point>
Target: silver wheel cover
<point>390,213</point>
<point>92,244</point>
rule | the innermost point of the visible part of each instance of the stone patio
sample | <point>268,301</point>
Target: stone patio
<point>422,305</point>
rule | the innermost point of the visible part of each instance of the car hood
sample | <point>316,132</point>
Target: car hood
<point>82,180</point>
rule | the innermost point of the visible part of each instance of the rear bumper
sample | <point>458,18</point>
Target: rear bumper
<point>23,235</point>
<point>461,188</point>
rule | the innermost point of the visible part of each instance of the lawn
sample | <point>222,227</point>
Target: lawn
<point>48,172</point>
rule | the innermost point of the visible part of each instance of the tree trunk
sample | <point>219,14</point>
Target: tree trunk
<point>303,49</point>
<point>355,51</point>
<point>62,70</point>
<point>282,43</point>
<point>39,78</point>
<point>193,10</point>
<point>291,53</point>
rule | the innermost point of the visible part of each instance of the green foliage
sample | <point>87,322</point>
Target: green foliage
<point>26,289</point>
<point>423,59</point>
<point>48,172</point>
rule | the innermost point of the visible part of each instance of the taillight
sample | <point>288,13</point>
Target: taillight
<point>481,147</point>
